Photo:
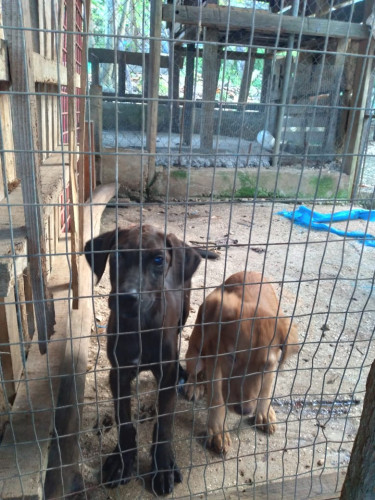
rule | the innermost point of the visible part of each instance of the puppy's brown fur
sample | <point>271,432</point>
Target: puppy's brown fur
<point>239,341</point>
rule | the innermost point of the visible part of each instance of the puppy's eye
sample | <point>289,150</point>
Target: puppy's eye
<point>159,260</point>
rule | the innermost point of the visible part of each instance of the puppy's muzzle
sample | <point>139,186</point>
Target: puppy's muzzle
<point>129,304</point>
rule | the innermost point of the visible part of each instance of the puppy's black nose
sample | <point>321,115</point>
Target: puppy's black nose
<point>131,298</point>
<point>127,302</point>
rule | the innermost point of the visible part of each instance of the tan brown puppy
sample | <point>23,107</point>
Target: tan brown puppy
<point>239,341</point>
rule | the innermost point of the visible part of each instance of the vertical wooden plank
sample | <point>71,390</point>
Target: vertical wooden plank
<point>22,308</point>
<point>361,89</point>
<point>356,116</point>
<point>41,27</point>
<point>359,481</point>
<point>210,79</point>
<point>82,195</point>
<point>246,79</point>
<point>329,144</point>
<point>122,76</point>
<point>6,122</point>
<point>11,354</point>
<point>72,145</point>
<point>48,26</point>
<point>187,129</point>
<point>89,174</point>
<point>49,119</point>
<point>95,72</point>
<point>17,14</point>
<point>174,92</point>
<point>83,144</point>
<point>10,364</point>
<point>43,125</point>
<point>96,112</point>
<point>153,84</point>
<point>29,303</point>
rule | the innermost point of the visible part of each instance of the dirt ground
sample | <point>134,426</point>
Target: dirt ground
<point>325,282</point>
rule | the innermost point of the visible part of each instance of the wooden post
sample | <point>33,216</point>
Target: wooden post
<point>187,126</point>
<point>6,117</point>
<point>153,85</point>
<point>174,64</point>
<point>210,79</point>
<point>29,304</point>
<point>246,80</point>
<point>96,115</point>
<point>72,145</point>
<point>285,90</point>
<point>17,15</point>
<point>329,145</point>
<point>359,481</point>
<point>356,116</point>
<point>11,358</point>
<point>95,72</point>
<point>83,131</point>
<point>122,76</point>
<point>356,120</point>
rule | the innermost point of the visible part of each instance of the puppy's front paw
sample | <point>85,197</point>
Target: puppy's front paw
<point>218,439</point>
<point>165,470</point>
<point>118,468</point>
<point>265,420</point>
<point>194,389</point>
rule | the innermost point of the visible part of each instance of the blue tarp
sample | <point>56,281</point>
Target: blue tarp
<point>308,218</point>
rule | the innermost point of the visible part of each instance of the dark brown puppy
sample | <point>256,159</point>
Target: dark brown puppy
<point>150,275</point>
<point>239,341</point>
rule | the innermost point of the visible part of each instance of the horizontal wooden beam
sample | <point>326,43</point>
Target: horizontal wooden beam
<point>127,57</point>
<point>235,19</point>
<point>232,55</point>
<point>48,71</point>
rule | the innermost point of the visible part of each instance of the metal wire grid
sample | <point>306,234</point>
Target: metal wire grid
<point>224,475</point>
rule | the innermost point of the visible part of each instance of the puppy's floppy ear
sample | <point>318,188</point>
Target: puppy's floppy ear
<point>97,250</point>
<point>190,255</point>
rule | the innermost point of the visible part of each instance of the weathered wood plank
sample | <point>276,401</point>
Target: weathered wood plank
<point>223,18</point>
<point>4,66</point>
<point>53,173</point>
<point>24,449</point>
<point>25,143</point>
<point>359,481</point>
<point>153,84</point>
<point>128,57</point>
<point>62,480</point>
<point>7,136</point>
<point>83,145</point>
<point>96,114</point>
<point>11,361</point>
<point>210,76</point>
<point>187,123</point>
<point>72,144</point>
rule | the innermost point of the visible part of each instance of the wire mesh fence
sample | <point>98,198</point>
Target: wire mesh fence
<point>151,153</point>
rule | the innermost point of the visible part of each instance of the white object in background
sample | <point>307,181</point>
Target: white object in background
<point>266,139</point>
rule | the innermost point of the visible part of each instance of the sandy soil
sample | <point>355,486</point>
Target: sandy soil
<point>325,282</point>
